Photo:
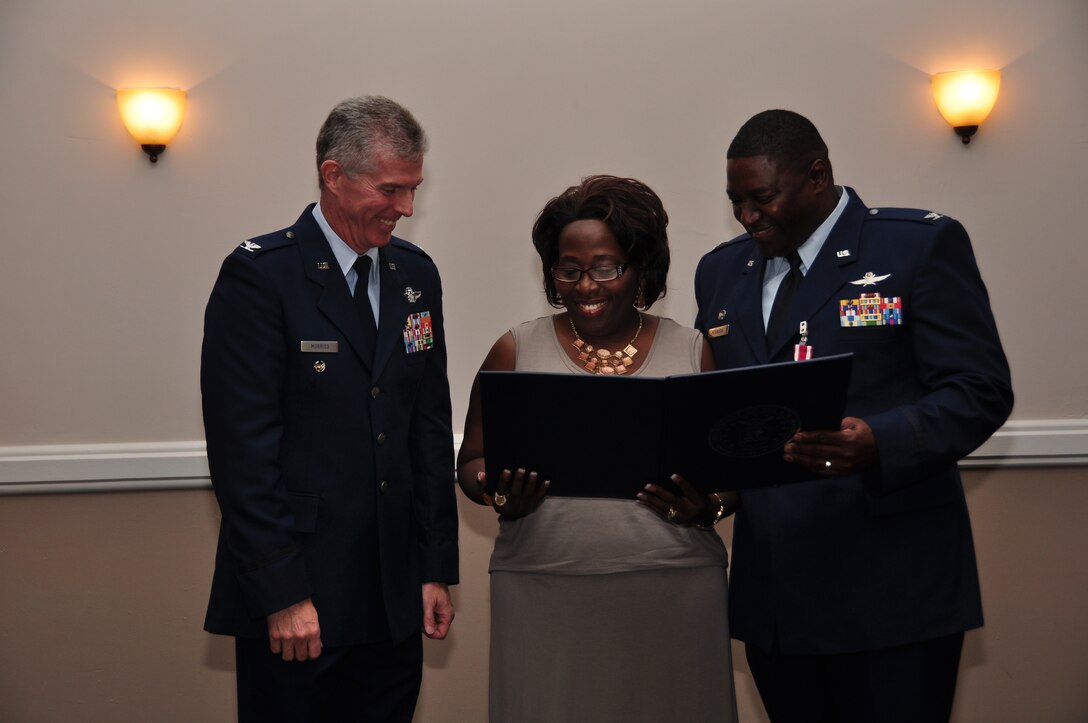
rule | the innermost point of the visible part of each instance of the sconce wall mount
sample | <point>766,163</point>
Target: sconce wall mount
<point>965,98</point>
<point>152,115</point>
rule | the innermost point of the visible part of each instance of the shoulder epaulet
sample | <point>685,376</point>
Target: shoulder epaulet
<point>268,242</point>
<point>731,242</point>
<point>906,214</point>
<point>408,246</point>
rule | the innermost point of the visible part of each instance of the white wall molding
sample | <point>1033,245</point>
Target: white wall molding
<point>141,466</point>
<point>103,467</point>
<point>1034,443</point>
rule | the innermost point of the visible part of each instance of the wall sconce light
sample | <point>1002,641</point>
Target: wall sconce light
<point>152,115</point>
<point>965,98</point>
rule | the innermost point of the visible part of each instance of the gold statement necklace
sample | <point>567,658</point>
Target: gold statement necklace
<point>603,361</point>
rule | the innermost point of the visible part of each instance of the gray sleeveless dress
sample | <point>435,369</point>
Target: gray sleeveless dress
<point>600,610</point>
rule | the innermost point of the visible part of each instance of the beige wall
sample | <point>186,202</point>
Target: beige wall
<point>103,597</point>
<point>106,263</point>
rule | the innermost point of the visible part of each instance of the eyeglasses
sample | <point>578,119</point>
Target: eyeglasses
<point>573,274</point>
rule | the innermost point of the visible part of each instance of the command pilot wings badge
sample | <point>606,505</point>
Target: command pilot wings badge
<point>250,246</point>
<point>869,279</point>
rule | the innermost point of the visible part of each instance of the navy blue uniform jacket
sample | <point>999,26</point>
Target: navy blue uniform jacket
<point>881,557</point>
<point>334,475</point>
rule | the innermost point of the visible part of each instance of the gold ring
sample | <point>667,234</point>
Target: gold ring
<point>671,514</point>
<point>500,499</point>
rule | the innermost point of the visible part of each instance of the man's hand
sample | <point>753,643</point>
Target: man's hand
<point>437,610</point>
<point>294,632</point>
<point>851,448</point>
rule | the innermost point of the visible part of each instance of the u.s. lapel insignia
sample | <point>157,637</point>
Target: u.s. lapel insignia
<point>843,253</point>
<point>250,246</point>
<point>392,266</point>
<point>751,263</point>
<point>933,216</point>
<point>411,294</point>
<point>322,265</point>
<point>869,279</point>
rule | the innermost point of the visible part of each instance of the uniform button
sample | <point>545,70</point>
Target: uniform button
<point>874,211</point>
<point>375,392</point>
<point>381,437</point>
<point>383,487</point>
<point>290,234</point>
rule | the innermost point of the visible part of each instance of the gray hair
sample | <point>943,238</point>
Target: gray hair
<point>359,129</point>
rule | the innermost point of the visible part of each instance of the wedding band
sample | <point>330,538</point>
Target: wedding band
<point>500,499</point>
<point>827,465</point>
<point>671,515</point>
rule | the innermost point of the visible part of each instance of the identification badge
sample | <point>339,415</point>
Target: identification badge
<point>418,332</point>
<point>320,347</point>
<point>801,350</point>
<point>871,310</point>
<point>718,331</point>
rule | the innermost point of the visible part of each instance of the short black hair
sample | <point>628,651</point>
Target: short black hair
<point>633,213</point>
<point>787,138</point>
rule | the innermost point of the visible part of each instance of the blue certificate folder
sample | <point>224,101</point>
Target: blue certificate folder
<point>603,436</point>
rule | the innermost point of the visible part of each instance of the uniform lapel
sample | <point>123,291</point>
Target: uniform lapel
<point>393,306</point>
<point>333,295</point>
<point>830,271</point>
<point>750,294</point>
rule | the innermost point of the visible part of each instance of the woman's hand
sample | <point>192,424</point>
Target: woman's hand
<point>690,508</point>
<point>517,494</point>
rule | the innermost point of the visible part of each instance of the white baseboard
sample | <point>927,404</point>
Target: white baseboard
<point>1034,443</point>
<point>143,466</point>
<point>56,468</point>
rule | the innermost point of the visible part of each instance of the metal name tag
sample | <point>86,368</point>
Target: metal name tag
<point>321,347</point>
<point>718,331</point>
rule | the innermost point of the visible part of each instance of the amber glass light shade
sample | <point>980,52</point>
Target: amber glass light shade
<point>965,98</point>
<point>152,115</point>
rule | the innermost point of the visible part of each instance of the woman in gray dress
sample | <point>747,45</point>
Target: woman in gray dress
<point>603,609</point>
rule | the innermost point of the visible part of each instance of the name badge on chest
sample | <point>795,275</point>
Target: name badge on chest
<point>319,347</point>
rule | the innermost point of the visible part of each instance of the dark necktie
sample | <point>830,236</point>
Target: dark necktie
<point>362,302</point>
<point>783,299</point>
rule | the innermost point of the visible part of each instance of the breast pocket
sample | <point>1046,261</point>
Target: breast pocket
<point>730,350</point>
<point>868,335</point>
<point>318,359</point>
<point>416,358</point>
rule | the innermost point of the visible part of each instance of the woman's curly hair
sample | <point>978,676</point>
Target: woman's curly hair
<point>633,213</point>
